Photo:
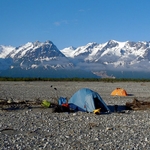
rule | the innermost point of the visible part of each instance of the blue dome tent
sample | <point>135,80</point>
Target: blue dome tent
<point>87,100</point>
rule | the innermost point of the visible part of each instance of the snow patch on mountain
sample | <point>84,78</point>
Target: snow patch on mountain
<point>69,51</point>
<point>5,50</point>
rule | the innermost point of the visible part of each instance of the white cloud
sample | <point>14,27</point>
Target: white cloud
<point>58,23</point>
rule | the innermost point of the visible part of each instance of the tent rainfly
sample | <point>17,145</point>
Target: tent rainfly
<point>119,92</point>
<point>88,101</point>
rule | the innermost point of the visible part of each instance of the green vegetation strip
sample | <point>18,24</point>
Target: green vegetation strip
<point>75,79</point>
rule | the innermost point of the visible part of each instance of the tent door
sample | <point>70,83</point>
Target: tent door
<point>98,104</point>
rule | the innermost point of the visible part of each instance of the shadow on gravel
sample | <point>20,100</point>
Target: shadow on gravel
<point>118,108</point>
<point>130,95</point>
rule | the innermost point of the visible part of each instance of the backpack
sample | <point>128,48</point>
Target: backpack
<point>62,100</point>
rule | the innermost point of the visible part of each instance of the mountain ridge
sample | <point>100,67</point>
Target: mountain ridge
<point>114,54</point>
<point>93,57</point>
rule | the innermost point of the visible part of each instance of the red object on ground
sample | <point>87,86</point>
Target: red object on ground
<point>65,105</point>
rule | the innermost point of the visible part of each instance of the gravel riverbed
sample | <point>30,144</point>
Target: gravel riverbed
<point>29,129</point>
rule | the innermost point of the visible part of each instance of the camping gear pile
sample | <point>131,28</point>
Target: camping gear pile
<point>84,100</point>
<point>62,105</point>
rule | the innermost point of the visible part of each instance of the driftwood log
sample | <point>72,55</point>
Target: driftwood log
<point>138,105</point>
<point>11,105</point>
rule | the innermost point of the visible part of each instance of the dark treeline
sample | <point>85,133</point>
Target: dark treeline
<point>75,79</point>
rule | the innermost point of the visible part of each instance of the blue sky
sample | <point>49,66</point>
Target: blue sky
<point>73,22</point>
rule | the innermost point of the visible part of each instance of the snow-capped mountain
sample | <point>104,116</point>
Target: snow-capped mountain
<point>37,59</point>
<point>115,55</point>
<point>37,54</point>
<point>45,58</point>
